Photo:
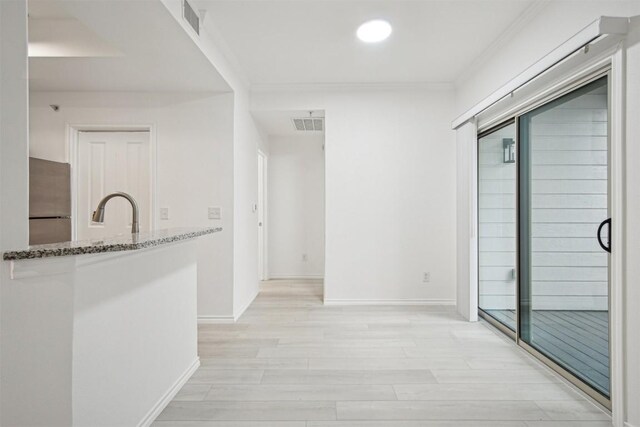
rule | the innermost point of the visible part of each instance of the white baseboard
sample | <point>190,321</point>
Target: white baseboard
<point>294,277</point>
<point>244,308</point>
<point>208,320</point>
<point>169,395</point>
<point>329,301</point>
<point>628,425</point>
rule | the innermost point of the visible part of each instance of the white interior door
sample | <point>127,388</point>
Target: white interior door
<point>108,162</point>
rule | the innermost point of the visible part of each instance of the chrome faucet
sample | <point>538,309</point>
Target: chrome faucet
<point>98,214</point>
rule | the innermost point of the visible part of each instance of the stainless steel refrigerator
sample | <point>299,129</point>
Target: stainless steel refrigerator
<point>49,201</point>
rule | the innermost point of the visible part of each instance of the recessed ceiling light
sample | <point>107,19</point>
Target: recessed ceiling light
<point>374,31</point>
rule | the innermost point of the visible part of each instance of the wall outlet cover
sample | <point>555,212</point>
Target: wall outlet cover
<point>164,213</point>
<point>426,277</point>
<point>214,213</point>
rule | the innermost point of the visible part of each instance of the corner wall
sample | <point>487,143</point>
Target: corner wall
<point>246,141</point>
<point>14,144</point>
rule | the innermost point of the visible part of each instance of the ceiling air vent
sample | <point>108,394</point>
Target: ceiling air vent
<point>191,16</point>
<point>305,124</point>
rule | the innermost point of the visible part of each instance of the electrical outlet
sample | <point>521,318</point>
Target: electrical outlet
<point>214,213</point>
<point>426,278</point>
<point>304,258</point>
<point>164,213</point>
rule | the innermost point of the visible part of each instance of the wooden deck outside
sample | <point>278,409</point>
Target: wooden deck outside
<point>577,340</point>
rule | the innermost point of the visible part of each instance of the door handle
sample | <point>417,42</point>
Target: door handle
<point>606,247</point>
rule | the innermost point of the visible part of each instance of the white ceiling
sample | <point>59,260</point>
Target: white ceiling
<point>280,122</point>
<point>66,37</point>
<point>308,41</point>
<point>115,46</point>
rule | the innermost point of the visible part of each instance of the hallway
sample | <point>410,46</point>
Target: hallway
<point>297,363</point>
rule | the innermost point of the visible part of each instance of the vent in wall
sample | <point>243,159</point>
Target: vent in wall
<point>191,16</point>
<point>305,124</point>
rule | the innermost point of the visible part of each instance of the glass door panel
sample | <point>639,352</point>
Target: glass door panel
<point>564,271</point>
<point>497,225</point>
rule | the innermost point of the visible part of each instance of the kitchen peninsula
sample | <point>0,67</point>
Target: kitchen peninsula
<point>107,328</point>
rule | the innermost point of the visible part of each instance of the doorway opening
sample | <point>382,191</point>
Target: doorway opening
<point>291,203</point>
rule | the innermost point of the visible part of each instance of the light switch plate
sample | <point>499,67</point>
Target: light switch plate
<point>214,213</point>
<point>164,213</point>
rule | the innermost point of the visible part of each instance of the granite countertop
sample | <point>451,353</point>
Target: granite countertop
<point>122,242</point>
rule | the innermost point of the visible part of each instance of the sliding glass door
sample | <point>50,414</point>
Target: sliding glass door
<point>564,281</point>
<point>543,211</point>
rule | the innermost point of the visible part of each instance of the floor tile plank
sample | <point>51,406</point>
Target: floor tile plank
<point>274,376</point>
<point>479,391</point>
<point>440,410</point>
<point>248,411</point>
<point>314,392</point>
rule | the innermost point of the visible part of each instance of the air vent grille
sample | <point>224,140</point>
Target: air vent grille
<point>191,16</point>
<point>309,124</point>
<point>299,124</point>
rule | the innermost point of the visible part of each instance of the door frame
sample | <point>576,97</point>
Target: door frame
<point>612,63</point>
<point>263,251</point>
<point>73,137</point>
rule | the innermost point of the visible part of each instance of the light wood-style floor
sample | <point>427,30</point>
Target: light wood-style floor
<point>292,362</point>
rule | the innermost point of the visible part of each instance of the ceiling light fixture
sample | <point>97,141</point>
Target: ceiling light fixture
<point>374,31</point>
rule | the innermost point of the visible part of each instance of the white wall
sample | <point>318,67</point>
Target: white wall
<point>14,166</point>
<point>554,23</point>
<point>193,134</point>
<point>390,190</point>
<point>296,206</point>
<point>466,223</point>
<point>246,141</point>
<point>14,116</point>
